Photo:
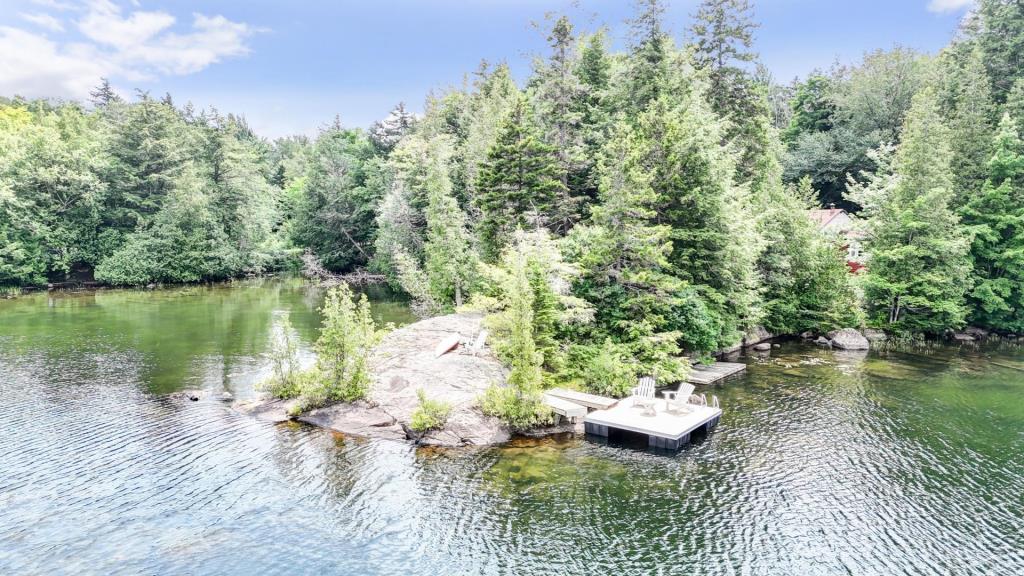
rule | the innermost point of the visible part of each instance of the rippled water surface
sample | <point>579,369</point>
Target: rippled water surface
<point>824,463</point>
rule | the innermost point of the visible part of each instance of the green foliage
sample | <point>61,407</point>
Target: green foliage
<point>347,337</point>
<point>605,368</point>
<point>813,109</point>
<point>429,414</point>
<point>518,410</point>
<point>287,379</point>
<point>623,259</point>
<point>518,184</point>
<point>918,270</point>
<point>337,216</point>
<point>995,219</point>
<point>805,278</point>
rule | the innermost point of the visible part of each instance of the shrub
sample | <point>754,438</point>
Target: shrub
<point>520,411</point>
<point>286,378</point>
<point>340,375</point>
<point>346,339</point>
<point>430,414</point>
<point>606,368</point>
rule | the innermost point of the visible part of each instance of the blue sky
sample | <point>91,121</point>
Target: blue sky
<point>289,67</point>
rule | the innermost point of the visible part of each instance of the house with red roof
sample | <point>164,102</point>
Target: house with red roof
<point>837,223</point>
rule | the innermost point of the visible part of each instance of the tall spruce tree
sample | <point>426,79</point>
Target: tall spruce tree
<point>723,33</point>
<point>918,268</point>
<point>557,95</point>
<point>995,218</point>
<point>692,176</point>
<point>623,255</point>
<point>518,184</point>
<point>970,122</point>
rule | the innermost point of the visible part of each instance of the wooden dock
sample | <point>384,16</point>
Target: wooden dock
<point>714,372</point>
<point>663,429</point>
<point>565,408</point>
<point>592,401</point>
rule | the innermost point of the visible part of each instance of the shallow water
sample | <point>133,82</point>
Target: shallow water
<point>824,463</point>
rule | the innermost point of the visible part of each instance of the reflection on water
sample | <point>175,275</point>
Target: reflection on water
<point>824,463</point>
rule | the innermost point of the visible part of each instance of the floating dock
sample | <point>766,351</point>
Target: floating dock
<point>714,372</point>
<point>663,430</point>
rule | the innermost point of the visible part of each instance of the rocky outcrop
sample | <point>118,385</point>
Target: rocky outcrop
<point>403,363</point>
<point>874,335</point>
<point>756,335</point>
<point>848,339</point>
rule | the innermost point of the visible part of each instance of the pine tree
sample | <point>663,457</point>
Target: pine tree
<point>918,268</point>
<point>970,123</point>
<point>450,260</point>
<point>557,95</point>
<point>518,184</point>
<point>479,120</point>
<point>995,217</point>
<point>723,34</point>
<point>624,260</point>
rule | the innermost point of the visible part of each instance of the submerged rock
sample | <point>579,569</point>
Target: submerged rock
<point>763,346</point>
<point>756,335</point>
<point>848,339</point>
<point>822,341</point>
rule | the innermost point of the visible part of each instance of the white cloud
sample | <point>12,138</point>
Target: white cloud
<point>32,65</point>
<point>948,5</point>
<point>128,46</point>
<point>43,21</point>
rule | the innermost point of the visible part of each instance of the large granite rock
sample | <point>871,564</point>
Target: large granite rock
<point>404,363</point>
<point>848,339</point>
<point>756,335</point>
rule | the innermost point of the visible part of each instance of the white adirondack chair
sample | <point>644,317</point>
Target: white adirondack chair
<point>678,400</point>
<point>643,395</point>
<point>477,345</point>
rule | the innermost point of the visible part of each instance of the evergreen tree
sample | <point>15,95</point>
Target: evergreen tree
<point>918,269</point>
<point>995,218</point>
<point>337,218</point>
<point>386,133</point>
<point>478,121</point>
<point>624,261</point>
<point>970,123</point>
<point>557,95</point>
<point>649,58</point>
<point>1015,105</point>
<point>997,27</point>
<point>518,183</point>
<point>723,32</point>
<point>104,94</point>
<point>714,246</point>
<point>450,260</point>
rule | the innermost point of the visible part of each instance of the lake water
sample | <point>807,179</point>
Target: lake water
<point>823,463</point>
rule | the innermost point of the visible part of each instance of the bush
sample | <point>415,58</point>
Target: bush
<point>430,414</point>
<point>286,379</point>
<point>607,369</point>
<point>520,411</point>
<point>346,339</point>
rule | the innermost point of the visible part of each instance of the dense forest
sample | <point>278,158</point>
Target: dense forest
<point>612,212</point>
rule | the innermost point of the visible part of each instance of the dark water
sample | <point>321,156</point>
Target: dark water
<point>904,463</point>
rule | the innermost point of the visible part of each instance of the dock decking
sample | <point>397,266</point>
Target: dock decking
<point>570,410</point>
<point>714,372</point>
<point>663,430</point>
<point>592,401</point>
